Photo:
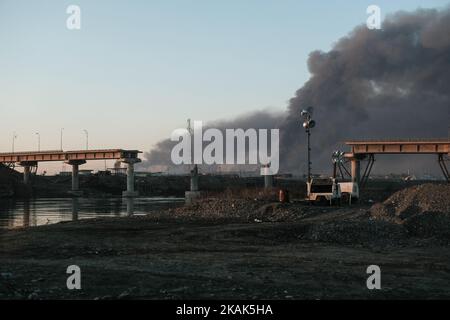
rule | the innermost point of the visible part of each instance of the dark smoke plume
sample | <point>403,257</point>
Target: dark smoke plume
<point>388,83</point>
<point>159,157</point>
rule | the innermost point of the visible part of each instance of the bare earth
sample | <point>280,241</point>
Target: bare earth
<point>323,254</point>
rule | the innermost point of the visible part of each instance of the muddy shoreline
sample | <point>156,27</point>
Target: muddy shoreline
<point>321,255</point>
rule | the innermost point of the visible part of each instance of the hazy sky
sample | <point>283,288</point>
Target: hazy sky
<point>138,69</point>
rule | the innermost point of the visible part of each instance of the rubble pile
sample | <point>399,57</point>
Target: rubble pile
<point>423,210</point>
<point>413,214</point>
<point>241,209</point>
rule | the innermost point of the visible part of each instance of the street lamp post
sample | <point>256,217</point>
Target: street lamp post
<point>308,124</point>
<point>61,142</point>
<point>39,141</point>
<point>87,138</point>
<point>13,141</point>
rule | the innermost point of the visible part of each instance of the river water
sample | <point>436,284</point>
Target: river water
<point>35,212</point>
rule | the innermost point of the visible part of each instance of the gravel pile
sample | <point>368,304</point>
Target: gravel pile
<point>420,213</point>
<point>325,224</point>
<point>252,210</point>
<point>423,210</point>
<point>212,208</point>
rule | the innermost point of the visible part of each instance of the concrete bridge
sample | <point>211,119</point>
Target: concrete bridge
<point>74,158</point>
<point>366,149</point>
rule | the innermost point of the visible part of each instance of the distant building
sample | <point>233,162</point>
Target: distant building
<point>118,171</point>
<point>84,172</point>
<point>142,174</point>
<point>104,172</point>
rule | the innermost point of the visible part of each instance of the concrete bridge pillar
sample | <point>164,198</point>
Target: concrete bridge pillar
<point>268,178</point>
<point>75,175</point>
<point>194,179</point>
<point>26,174</point>
<point>268,182</point>
<point>130,177</point>
<point>27,170</point>
<point>356,170</point>
<point>193,194</point>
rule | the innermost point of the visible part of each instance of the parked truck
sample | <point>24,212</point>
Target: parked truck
<point>323,190</point>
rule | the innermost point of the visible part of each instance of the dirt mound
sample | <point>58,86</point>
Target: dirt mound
<point>323,224</point>
<point>218,209</point>
<point>423,210</point>
<point>413,214</point>
<point>238,209</point>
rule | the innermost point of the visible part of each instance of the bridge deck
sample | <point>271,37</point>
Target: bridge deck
<point>436,146</point>
<point>59,155</point>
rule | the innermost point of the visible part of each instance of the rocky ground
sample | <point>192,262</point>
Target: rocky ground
<point>423,211</point>
<point>247,248</point>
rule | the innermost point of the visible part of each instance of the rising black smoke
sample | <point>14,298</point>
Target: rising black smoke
<point>261,119</point>
<point>388,83</point>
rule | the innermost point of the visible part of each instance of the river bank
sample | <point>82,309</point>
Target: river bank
<point>316,253</point>
<point>100,185</point>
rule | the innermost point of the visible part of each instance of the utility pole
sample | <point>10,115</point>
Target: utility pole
<point>194,171</point>
<point>308,124</point>
<point>191,133</point>
<point>308,132</point>
<point>193,194</point>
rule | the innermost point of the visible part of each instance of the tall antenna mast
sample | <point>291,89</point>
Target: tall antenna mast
<point>194,171</point>
<point>189,127</point>
<point>191,133</point>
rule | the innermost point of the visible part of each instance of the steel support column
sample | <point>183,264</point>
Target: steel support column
<point>443,166</point>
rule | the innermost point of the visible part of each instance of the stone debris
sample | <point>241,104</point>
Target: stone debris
<point>423,210</point>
